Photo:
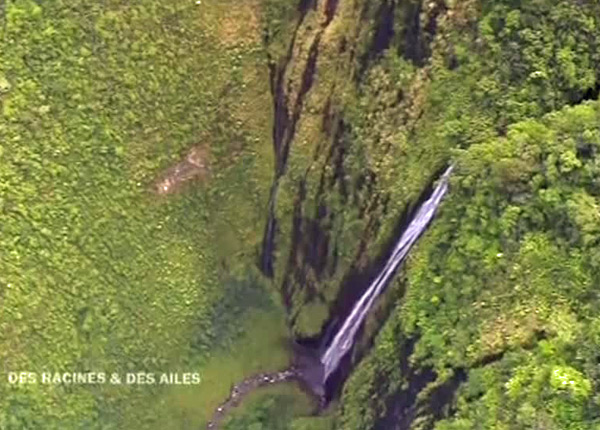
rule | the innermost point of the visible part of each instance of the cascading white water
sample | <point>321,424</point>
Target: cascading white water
<point>344,338</point>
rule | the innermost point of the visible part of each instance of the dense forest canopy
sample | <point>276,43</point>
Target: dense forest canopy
<point>302,134</point>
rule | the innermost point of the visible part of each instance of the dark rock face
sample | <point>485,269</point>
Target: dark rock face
<point>309,258</point>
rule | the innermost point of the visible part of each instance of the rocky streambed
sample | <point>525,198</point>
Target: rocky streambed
<point>241,390</point>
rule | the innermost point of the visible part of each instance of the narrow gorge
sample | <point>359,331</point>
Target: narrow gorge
<point>371,100</point>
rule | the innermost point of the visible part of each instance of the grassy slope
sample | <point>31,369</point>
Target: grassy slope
<point>96,271</point>
<point>261,348</point>
<point>272,408</point>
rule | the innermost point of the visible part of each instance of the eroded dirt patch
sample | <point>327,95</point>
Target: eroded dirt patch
<point>194,166</point>
<point>240,24</point>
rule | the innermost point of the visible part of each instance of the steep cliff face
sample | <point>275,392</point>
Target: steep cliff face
<point>372,100</point>
<point>345,108</point>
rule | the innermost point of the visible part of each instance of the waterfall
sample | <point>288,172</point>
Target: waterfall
<point>344,338</point>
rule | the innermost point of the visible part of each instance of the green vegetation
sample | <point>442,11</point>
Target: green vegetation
<point>374,129</point>
<point>283,407</point>
<point>261,348</point>
<point>97,271</point>
<point>525,209</point>
<point>493,323</point>
<point>501,289</point>
<point>272,408</point>
<point>504,283</point>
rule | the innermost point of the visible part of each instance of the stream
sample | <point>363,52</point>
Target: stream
<point>241,390</point>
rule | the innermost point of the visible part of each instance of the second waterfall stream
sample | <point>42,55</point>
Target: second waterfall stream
<point>344,338</point>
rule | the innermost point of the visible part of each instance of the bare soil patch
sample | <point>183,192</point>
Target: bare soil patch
<point>241,24</point>
<point>195,165</point>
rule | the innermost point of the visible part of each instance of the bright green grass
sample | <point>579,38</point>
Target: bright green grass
<point>97,273</point>
<point>262,348</point>
<point>281,407</point>
<point>270,408</point>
